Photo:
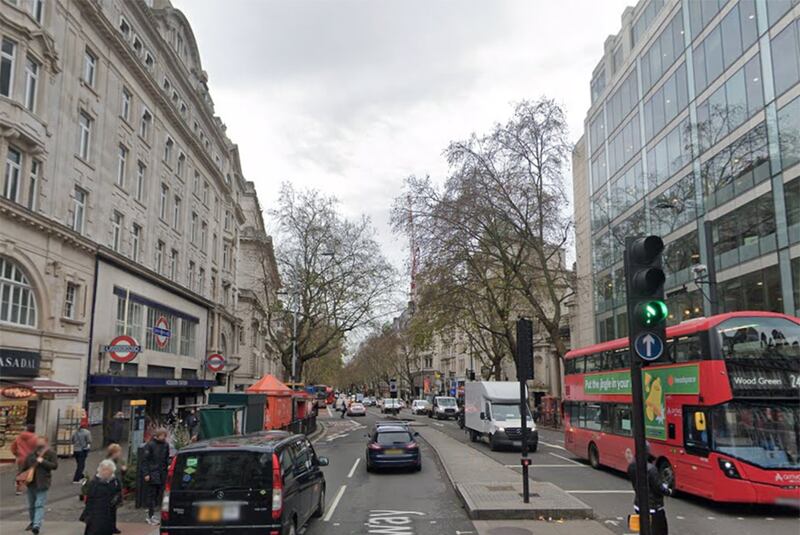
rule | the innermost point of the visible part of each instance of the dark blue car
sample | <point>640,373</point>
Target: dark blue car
<point>393,447</point>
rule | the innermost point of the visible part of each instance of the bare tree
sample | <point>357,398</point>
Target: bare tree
<point>335,277</point>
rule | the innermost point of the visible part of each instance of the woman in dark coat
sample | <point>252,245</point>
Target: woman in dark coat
<point>102,498</point>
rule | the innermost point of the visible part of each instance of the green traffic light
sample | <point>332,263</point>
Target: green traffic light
<point>654,312</point>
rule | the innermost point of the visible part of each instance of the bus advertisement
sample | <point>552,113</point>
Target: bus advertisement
<point>722,418</point>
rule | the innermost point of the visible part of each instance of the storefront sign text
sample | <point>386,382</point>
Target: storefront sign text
<point>16,363</point>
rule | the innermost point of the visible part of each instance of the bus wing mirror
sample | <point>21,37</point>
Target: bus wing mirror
<point>700,421</point>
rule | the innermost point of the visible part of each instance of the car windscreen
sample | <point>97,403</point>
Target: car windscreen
<point>391,438</point>
<point>506,411</point>
<point>212,470</point>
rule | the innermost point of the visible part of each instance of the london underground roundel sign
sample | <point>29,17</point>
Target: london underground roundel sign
<point>162,332</point>
<point>123,348</point>
<point>215,362</point>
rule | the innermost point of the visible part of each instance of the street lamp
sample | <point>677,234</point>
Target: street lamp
<point>293,297</point>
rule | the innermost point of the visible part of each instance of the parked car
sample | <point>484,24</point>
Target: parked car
<point>390,406</point>
<point>267,482</point>
<point>443,407</point>
<point>393,446</point>
<point>356,409</point>
<point>420,406</point>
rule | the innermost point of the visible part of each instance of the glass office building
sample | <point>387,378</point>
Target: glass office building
<point>693,134</point>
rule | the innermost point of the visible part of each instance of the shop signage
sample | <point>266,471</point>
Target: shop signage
<point>17,392</point>
<point>123,348</point>
<point>162,332</point>
<point>16,363</point>
<point>215,363</point>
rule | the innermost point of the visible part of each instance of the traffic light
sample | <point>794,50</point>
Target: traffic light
<point>647,310</point>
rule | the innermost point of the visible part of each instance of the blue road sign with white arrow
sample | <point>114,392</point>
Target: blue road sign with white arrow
<point>648,346</point>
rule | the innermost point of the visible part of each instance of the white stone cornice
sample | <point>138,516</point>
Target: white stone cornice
<point>45,225</point>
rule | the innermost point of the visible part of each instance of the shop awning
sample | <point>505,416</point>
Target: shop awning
<point>42,387</point>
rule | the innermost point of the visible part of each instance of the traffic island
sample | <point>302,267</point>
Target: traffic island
<point>491,491</point>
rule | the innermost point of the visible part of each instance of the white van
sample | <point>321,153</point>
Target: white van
<point>491,410</point>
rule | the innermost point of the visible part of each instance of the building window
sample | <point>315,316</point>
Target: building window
<point>124,27</point>
<point>136,235</point>
<point>17,302</point>
<point>785,62</point>
<point>176,213</point>
<point>227,220</point>
<point>79,210</point>
<point>141,169</point>
<point>84,135</point>
<point>225,256</point>
<point>125,110</point>
<point>162,205</point>
<point>89,67</point>
<point>196,184</point>
<point>168,145</point>
<point>745,233</point>
<point>33,184</point>
<point>181,165</point>
<point>159,259</point>
<point>201,281</point>
<point>173,264</point>
<point>190,275</point>
<point>37,10</point>
<point>188,337</point>
<point>203,236</point>
<point>7,56</point>
<point>122,159</point>
<point>71,300</point>
<point>205,193</point>
<point>116,230</point>
<point>194,228</point>
<point>213,285</point>
<point>12,174</point>
<point>130,324</point>
<point>31,81</point>
<point>149,61</point>
<point>214,247</point>
<point>144,124</point>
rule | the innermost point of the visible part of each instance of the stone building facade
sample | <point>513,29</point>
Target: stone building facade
<point>121,210</point>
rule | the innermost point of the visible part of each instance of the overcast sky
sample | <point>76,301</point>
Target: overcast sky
<point>352,96</point>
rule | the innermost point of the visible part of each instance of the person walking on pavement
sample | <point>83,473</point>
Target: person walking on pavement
<point>81,445</point>
<point>43,460</point>
<point>657,489</point>
<point>191,422</point>
<point>22,446</point>
<point>114,454</point>
<point>102,499</point>
<point>117,429</point>
<point>155,460</point>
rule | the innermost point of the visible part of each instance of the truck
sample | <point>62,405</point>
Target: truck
<point>491,411</point>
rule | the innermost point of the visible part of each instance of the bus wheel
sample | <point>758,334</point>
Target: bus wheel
<point>666,473</point>
<point>594,456</point>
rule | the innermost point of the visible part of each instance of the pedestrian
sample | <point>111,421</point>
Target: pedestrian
<point>191,422</point>
<point>117,429</point>
<point>81,445</point>
<point>657,489</point>
<point>114,454</point>
<point>43,461</point>
<point>22,446</point>
<point>155,460</point>
<point>102,499</point>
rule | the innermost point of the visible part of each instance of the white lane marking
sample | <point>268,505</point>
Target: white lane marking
<point>537,465</point>
<point>600,491</point>
<point>338,497</point>
<point>550,445</point>
<point>679,517</point>
<point>353,470</point>
<point>438,424</point>
<point>572,461</point>
<point>330,412</point>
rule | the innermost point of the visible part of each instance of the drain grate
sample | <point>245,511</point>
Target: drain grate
<point>500,488</point>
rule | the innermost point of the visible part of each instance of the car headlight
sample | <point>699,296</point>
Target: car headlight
<point>501,429</point>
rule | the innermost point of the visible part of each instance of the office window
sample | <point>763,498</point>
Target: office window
<point>786,58</point>
<point>643,22</point>
<point>196,184</point>
<point>89,67</point>
<point>116,230</point>
<point>164,199</point>
<point>622,101</point>
<point>205,193</point>
<point>8,51</point>
<point>71,300</point>
<point>789,133</point>
<point>227,220</point>
<point>745,233</point>
<point>666,103</point>
<point>669,155</point>
<point>159,258</point>
<point>31,82</point>
<point>173,264</point>
<point>193,230</point>
<point>203,236</point>
<point>141,170</point>
<point>144,124</point>
<point>701,13</point>
<point>188,337</point>
<point>775,10</point>
<point>214,247</point>
<point>176,213</point>
<point>122,165</point>
<point>36,8</point>
<point>666,48</point>
<point>213,285</point>
<point>625,190</point>
<point>79,209</point>
<point>674,207</point>
<point>190,275</point>
<point>33,184</point>
<point>597,132</point>
<point>84,135</point>
<point>201,281</point>
<point>225,255</point>
<point>125,108</point>
<point>625,144</point>
<point>181,165</point>
<point>12,174</point>
<point>168,146</point>
<point>136,236</point>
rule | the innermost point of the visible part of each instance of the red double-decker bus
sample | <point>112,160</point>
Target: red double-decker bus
<point>722,418</point>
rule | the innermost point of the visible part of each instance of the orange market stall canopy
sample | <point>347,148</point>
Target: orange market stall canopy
<point>278,413</point>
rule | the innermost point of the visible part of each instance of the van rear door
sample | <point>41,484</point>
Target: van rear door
<point>221,487</point>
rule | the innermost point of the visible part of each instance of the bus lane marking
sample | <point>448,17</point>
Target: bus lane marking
<point>385,521</point>
<point>338,497</point>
